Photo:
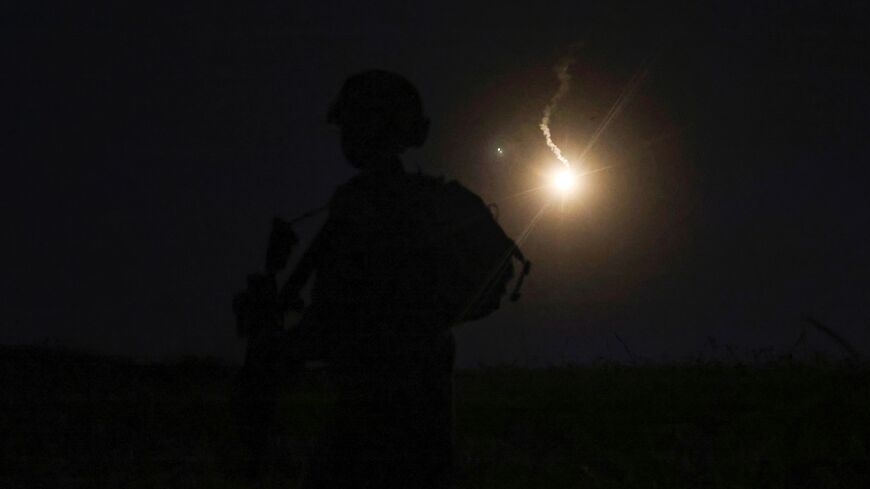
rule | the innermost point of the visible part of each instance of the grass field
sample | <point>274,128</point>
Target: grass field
<point>76,420</point>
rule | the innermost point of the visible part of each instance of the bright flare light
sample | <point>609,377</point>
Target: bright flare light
<point>564,181</point>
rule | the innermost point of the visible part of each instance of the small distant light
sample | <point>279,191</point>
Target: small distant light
<point>500,151</point>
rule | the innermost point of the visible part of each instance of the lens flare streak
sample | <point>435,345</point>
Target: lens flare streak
<point>531,226</point>
<point>620,103</point>
<point>521,193</point>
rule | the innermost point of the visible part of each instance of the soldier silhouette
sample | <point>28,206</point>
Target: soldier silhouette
<point>387,287</point>
<point>391,364</point>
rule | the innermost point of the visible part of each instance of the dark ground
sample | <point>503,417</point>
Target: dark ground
<point>72,419</point>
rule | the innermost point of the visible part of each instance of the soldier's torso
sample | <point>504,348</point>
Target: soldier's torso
<point>369,249</point>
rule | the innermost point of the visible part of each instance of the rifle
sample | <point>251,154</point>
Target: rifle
<point>260,307</point>
<point>256,307</point>
<point>269,357</point>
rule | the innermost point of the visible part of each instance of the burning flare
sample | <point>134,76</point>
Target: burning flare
<point>564,181</point>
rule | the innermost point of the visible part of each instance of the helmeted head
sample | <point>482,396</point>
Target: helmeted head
<point>380,115</point>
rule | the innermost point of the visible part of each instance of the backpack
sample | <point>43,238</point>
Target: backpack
<point>461,259</point>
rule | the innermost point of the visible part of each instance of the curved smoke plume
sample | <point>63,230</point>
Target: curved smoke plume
<point>564,84</point>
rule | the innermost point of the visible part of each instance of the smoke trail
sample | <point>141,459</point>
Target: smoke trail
<point>564,84</point>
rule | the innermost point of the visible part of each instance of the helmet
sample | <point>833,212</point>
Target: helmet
<point>387,93</point>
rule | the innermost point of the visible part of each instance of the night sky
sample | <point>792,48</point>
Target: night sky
<point>146,149</point>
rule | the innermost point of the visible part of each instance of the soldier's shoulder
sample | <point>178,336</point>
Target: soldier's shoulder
<point>349,195</point>
<point>439,187</point>
<point>453,199</point>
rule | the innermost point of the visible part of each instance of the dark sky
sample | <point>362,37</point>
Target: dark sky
<point>145,150</point>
